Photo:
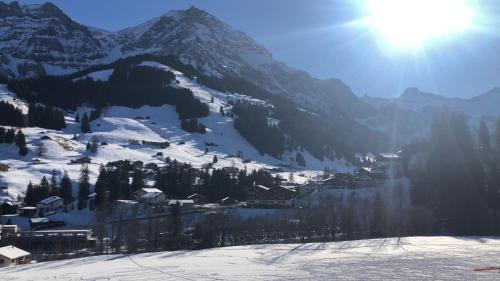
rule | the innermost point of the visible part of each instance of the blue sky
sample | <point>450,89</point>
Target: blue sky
<point>314,36</point>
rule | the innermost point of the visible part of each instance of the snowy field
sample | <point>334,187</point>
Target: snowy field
<point>415,258</point>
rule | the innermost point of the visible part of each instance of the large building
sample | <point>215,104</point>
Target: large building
<point>277,197</point>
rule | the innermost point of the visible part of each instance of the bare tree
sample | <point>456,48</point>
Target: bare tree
<point>40,149</point>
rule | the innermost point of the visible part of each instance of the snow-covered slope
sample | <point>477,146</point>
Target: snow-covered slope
<point>413,258</point>
<point>120,128</point>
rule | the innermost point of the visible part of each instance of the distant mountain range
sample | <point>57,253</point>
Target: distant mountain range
<point>37,40</point>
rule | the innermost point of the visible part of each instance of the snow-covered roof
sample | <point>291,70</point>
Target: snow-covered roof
<point>262,187</point>
<point>50,200</point>
<point>12,252</point>
<point>152,195</point>
<point>151,190</point>
<point>39,220</point>
<point>389,155</point>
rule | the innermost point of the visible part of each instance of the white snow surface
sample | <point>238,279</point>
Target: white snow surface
<point>118,125</point>
<point>101,75</point>
<point>413,258</point>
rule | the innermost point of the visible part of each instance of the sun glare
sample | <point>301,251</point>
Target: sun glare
<point>410,24</point>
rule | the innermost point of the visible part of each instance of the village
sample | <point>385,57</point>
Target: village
<point>53,230</point>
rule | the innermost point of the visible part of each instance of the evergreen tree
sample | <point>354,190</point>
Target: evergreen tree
<point>221,110</point>
<point>497,138</point>
<point>85,123</point>
<point>484,141</point>
<point>30,197</point>
<point>113,181</point>
<point>175,237</point>
<point>216,159</point>
<point>138,180</point>
<point>10,136</point>
<point>83,187</point>
<point>54,188</point>
<point>2,134</point>
<point>21,143</point>
<point>101,187</point>
<point>43,189</point>
<point>66,189</point>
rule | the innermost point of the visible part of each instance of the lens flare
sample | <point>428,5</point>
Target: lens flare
<point>410,24</point>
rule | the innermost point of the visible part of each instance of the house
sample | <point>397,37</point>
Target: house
<point>278,197</point>
<point>11,255</point>
<point>8,230</point>
<point>82,160</point>
<point>228,201</point>
<point>50,205</point>
<point>44,223</point>
<point>198,198</point>
<point>152,196</point>
<point>27,211</point>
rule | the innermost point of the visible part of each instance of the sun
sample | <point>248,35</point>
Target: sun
<point>411,24</point>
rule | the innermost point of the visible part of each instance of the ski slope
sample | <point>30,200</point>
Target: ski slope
<point>119,125</point>
<point>414,258</point>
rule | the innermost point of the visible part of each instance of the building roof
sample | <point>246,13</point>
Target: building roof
<point>39,220</point>
<point>49,200</point>
<point>151,194</point>
<point>389,155</point>
<point>196,195</point>
<point>12,252</point>
<point>151,190</point>
<point>262,187</point>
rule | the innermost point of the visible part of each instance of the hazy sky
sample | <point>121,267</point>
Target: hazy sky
<point>316,36</point>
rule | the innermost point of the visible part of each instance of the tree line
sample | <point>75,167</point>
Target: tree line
<point>456,177</point>
<point>251,122</point>
<point>10,136</point>
<point>129,85</point>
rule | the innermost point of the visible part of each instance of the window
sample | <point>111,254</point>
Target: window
<point>2,261</point>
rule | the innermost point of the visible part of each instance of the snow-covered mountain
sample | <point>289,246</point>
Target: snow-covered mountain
<point>40,39</point>
<point>410,115</point>
<point>486,104</point>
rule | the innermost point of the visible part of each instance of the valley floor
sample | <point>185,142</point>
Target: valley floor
<point>413,258</point>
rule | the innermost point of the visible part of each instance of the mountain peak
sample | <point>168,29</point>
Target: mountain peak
<point>413,93</point>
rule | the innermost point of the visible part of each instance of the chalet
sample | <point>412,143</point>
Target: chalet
<point>198,198</point>
<point>50,205</point>
<point>82,160</point>
<point>278,197</point>
<point>150,196</point>
<point>11,255</point>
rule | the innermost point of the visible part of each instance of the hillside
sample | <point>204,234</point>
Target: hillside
<point>414,258</point>
<point>120,127</point>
